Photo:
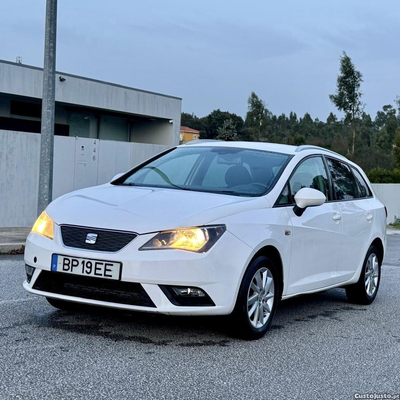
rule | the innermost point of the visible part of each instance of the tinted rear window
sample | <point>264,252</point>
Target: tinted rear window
<point>344,183</point>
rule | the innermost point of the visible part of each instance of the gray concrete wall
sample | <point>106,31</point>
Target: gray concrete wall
<point>155,132</point>
<point>78,163</point>
<point>26,81</point>
<point>19,178</point>
<point>389,195</point>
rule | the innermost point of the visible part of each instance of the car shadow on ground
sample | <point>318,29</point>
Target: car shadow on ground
<point>161,330</point>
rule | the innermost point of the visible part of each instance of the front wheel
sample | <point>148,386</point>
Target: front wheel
<point>257,299</point>
<point>366,289</point>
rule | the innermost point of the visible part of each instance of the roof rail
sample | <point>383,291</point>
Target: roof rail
<point>311,147</point>
<point>201,141</point>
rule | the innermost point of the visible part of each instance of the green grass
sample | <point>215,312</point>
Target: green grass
<point>395,225</point>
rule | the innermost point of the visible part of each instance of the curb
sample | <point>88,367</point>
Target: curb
<point>12,248</point>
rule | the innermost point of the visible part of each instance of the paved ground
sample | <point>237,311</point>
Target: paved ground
<point>320,347</point>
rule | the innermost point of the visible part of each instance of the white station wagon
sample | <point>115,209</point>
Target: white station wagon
<point>213,229</point>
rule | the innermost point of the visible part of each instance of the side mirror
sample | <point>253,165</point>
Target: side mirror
<point>307,197</point>
<point>117,176</point>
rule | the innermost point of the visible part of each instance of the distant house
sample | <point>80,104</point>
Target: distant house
<point>188,134</point>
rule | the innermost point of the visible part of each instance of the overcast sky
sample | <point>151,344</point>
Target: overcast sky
<point>213,53</point>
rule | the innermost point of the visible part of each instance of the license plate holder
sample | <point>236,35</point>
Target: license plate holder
<point>102,269</point>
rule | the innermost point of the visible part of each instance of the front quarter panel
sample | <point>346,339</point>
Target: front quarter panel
<point>260,228</point>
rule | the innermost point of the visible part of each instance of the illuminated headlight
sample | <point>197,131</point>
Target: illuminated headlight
<point>198,240</point>
<point>44,226</point>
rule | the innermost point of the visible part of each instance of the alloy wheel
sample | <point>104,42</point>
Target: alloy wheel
<point>371,274</point>
<point>260,297</point>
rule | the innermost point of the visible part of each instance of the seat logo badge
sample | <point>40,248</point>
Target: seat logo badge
<point>91,238</point>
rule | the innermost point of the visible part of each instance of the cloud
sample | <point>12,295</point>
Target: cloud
<point>368,38</point>
<point>223,38</point>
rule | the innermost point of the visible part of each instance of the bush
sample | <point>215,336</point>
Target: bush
<point>396,222</point>
<point>381,175</point>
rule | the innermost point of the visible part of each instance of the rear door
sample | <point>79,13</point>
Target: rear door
<point>354,199</point>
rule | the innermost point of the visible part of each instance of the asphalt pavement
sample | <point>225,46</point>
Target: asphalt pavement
<point>320,347</point>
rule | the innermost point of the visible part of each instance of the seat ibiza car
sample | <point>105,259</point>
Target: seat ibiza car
<point>213,229</point>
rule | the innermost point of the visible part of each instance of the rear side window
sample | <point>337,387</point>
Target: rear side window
<point>363,188</point>
<point>344,183</point>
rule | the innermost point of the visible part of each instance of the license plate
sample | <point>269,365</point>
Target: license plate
<point>86,267</point>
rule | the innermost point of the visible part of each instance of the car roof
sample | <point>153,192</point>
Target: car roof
<point>275,147</point>
<point>280,148</point>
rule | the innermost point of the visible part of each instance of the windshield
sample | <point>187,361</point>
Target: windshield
<point>226,170</point>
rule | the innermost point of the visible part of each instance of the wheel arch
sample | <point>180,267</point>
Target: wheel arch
<point>273,253</point>
<point>379,244</point>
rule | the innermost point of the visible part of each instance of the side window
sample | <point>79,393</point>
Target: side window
<point>310,173</point>
<point>363,188</point>
<point>344,183</point>
<point>284,197</point>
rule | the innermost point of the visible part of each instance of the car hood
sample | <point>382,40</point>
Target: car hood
<point>142,210</point>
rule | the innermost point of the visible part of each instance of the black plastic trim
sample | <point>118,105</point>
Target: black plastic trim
<point>85,287</point>
<point>29,272</point>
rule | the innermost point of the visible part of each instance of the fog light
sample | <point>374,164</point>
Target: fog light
<point>187,296</point>
<point>188,291</point>
<point>29,272</point>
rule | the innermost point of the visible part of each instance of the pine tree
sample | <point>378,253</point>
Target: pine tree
<point>227,131</point>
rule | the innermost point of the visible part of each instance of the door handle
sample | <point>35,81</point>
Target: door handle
<point>370,217</point>
<point>336,217</point>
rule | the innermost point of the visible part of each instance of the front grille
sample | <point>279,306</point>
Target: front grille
<point>93,288</point>
<point>106,240</point>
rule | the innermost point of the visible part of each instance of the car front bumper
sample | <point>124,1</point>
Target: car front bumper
<point>218,272</point>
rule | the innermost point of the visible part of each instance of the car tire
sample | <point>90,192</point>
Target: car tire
<point>366,289</point>
<point>257,299</point>
<point>62,304</point>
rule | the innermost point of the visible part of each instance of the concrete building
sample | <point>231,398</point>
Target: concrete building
<point>88,108</point>
<point>101,129</point>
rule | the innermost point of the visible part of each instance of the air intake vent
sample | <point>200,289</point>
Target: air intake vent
<point>93,288</point>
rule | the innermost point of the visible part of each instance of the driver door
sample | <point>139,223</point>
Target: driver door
<point>316,234</point>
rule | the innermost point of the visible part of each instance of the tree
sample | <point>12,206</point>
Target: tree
<point>194,122</point>
<point>396,150</point>
<point>227,131</point>
<point>348,95</point>
<point>216,119</point>
<point>299,139</point>
<point>332,119</point>
<point>257,117</point>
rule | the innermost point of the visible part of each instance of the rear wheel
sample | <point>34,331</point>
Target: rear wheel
<point>257,299</point>
<point>366,289</point>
